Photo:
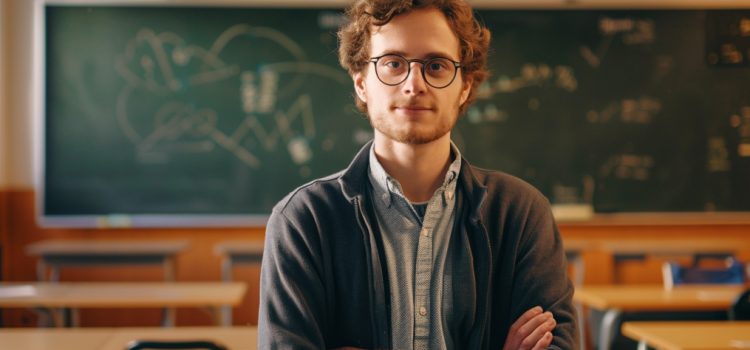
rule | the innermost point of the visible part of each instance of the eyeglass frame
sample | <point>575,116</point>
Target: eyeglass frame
<point>456,66</point>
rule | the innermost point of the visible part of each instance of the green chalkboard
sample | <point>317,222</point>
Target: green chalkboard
<point>169,113</point>
<point>631,111</point>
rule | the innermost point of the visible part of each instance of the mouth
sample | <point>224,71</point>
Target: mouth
<point>413,109</point>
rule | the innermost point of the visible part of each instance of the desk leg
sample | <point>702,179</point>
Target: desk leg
<point>54,273</point>
<point>45,316</point>
<point>58,317</point>
<point>579,268</point>
<point>581,325</point>
<point>217,315</point>
<point>168,318</point>
<point>70,317</point>
<point>169,269</point>
<point>75,317</point>
<point>226,276</point>
<point>642,345</point>
<point>607,330</point>
<point>41,270</point>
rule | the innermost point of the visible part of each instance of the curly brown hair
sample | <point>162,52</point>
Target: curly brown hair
<point>474,38</point>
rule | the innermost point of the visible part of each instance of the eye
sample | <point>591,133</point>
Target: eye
<point>438,65</point>
<point>434,66</point>
<point>391,63</point>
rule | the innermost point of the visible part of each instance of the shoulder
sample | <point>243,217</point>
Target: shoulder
<point>508,188</point>
<point>314,194</point>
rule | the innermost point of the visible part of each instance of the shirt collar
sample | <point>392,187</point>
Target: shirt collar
<point>386,186</point>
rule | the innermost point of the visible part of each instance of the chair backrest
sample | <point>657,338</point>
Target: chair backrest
<point>740,309</point>
<point>674,274</point>
<point>170,344</point>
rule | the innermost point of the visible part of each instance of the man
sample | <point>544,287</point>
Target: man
<point>410,246</point>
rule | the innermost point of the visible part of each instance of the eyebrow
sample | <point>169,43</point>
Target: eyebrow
<point>433,54</point>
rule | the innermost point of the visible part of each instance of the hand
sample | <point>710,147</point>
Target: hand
<point>531,331</point>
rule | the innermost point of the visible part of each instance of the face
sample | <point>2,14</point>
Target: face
<point>413,112</point>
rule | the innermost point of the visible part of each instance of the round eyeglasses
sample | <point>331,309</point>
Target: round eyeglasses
<point>393,69</point>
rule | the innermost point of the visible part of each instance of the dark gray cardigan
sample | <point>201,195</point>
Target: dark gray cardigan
<point>323,279</point>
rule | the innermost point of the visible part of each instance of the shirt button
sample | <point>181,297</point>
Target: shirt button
<point>423,311</point>
<point>425,232</point>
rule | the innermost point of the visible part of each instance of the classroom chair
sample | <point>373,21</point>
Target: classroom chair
<point>728,271</point>
<point>171,344</point>
<point>740,310</point>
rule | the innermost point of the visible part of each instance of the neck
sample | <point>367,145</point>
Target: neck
<point>420,169</point>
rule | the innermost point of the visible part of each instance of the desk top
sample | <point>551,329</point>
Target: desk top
<point>574,245</point>
<point>656,298</point>
<point>235,338</point>
<point>108,247</point>
<point>239,247</point>
<point>121,294</point>
<point>674,247</point>
<point>686,335</point>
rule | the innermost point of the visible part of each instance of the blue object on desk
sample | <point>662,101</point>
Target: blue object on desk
<point>674,274</point>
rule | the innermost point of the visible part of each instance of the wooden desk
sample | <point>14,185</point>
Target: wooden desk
<point>714,335</point>
<point>233,253</point>
<point>670,247</point>
<point>59,253</point>
<point>625,250</point>
<point>235,338</point>
<point>615,299</point>
<point>76,295</point>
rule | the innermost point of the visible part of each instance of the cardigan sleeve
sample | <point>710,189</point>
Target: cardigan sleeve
<point>542,277</point>
<point>291,314</point>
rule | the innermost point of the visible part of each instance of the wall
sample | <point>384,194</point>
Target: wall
<point>3,141</point>
<point>198,263</point>
<point>3,117</point>
<point>19,16</point>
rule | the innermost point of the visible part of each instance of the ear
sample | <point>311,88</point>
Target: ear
<point>465,89</point>
<point>360,86</point>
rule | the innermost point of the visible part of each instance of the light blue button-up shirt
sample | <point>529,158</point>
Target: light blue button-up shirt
<point>421,260</point>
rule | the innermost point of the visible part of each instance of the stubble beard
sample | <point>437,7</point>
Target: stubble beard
<point>413,136</point>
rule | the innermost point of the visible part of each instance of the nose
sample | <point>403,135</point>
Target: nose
<point>414,83</point>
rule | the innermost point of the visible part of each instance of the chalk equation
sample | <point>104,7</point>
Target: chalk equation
<point>167,105</point>
<point>540,75</point>
<point>741,123</point>
<point>628,166</point>
<point>641,110</point>
<point>630,31</point>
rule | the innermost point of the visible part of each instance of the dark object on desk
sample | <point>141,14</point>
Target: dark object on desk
<point>740,310</point>
<point>729,271</point>
<point>167,344</point>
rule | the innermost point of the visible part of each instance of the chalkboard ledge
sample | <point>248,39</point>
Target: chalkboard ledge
<point>658,219</point>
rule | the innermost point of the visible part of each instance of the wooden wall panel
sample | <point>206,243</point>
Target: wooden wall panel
<point>3,234</point>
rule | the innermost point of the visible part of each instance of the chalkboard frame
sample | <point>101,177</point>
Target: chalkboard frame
<point>579,216</point>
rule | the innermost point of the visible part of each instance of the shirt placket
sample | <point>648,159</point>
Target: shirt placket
<point>424,272</point>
